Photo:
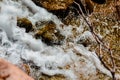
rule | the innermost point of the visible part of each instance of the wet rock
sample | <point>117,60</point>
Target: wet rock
<point>86,39</point>
<point>54,4</point>
<point>55,77</point>
<point>85,42</point>
<point>87,6</point>
<point>25,23</point>
<point>49,34</point>
<point>99,1</point>
<point>63,9</point>
<point>71,18</point>
<point>71,15</point>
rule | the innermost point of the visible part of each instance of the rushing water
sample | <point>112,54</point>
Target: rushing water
<point>18,47</point>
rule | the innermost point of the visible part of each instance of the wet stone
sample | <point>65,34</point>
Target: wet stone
<point>55,77</point>
<point>53,4</point>
<point>99,1</point>
<point>49,34</point>
<point>25,23</point>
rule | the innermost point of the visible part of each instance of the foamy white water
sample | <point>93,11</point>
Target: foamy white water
<point>16,44</point>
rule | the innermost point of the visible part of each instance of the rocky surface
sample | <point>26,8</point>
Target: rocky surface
<point>25,23</point>
<point>48,33</point>
<point>105,23</point>
<point>45,30</point>
<point>54,4</point>
<point>100,1</point>
<point>66,10</point>
<point>56,77</point>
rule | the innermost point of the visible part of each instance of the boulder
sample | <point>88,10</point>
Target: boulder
<point>25,23</point>
<point>9,71</point>
<point>54,4</point>
<point>49,34</point>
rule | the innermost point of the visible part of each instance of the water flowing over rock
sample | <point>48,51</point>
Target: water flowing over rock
<point>67,10</point>
<point>48,33</point>
<point>72,51</point>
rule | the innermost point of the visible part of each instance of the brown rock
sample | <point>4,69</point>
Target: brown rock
<point>9,71</point>
<point>25,23</point>
<point>54,4</point>
<point>55,77</point>
<point>49,34</point>
<point>99,1</point>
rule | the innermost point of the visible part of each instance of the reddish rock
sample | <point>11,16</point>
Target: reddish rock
<point>9,71</point>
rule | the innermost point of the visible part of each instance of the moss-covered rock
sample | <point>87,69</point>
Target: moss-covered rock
<point>25,23</point>
<point>49,34</point>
